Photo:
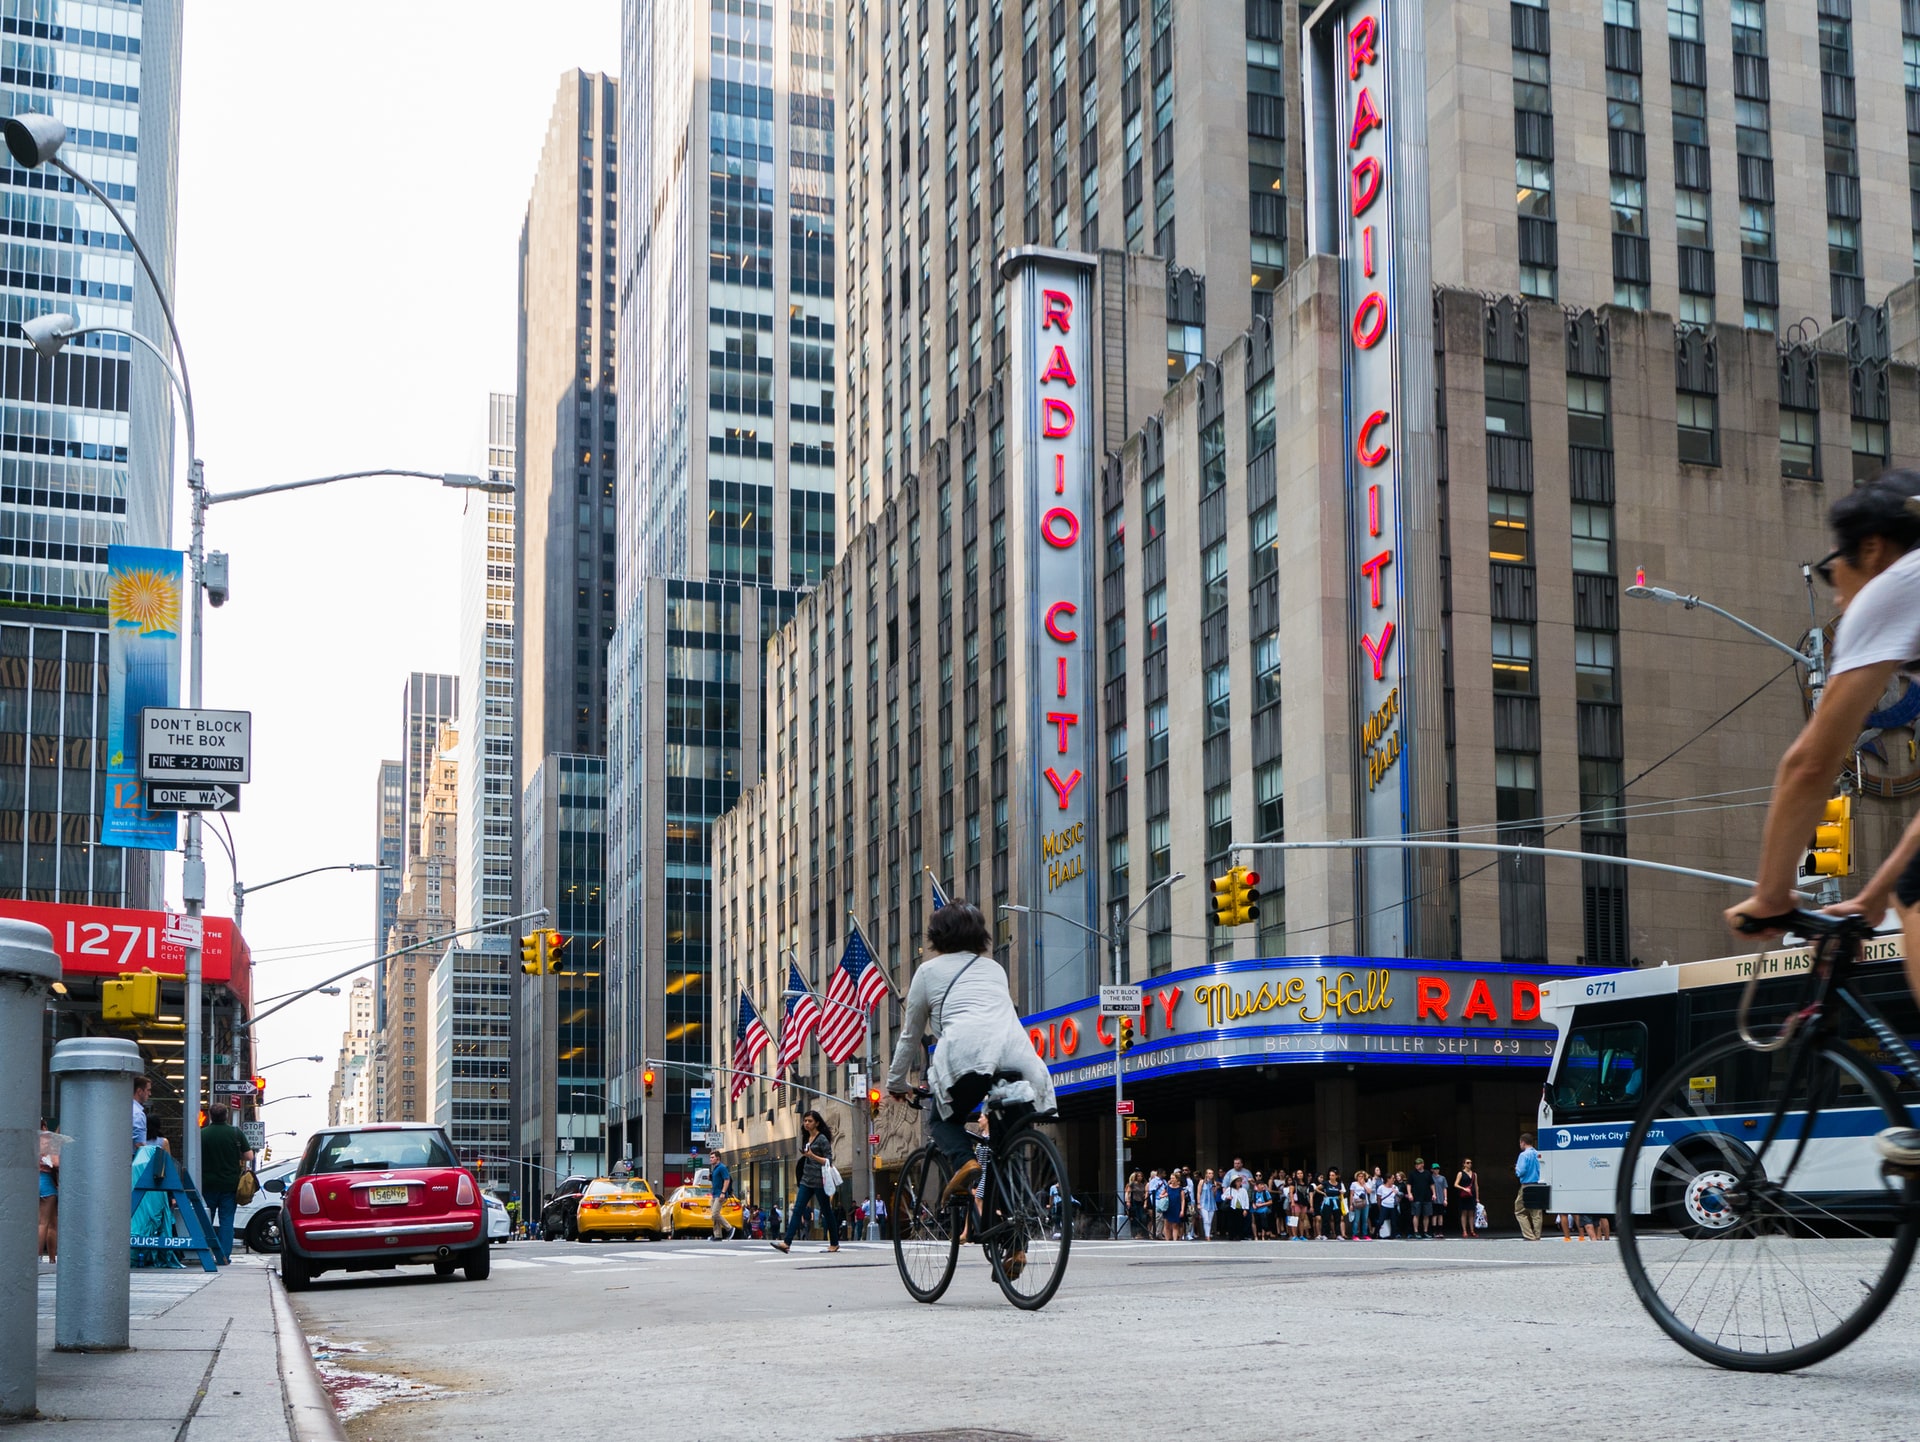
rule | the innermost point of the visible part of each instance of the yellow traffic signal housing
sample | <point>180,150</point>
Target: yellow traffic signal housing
<point>1124,1043</point>
<point>1832,852</point>
<point>555,944</point>
<point>533,953</point>
<point>1133,1128</point>
<point>1234,896</point>
<point>134,997</point>
<point>646,1080</point>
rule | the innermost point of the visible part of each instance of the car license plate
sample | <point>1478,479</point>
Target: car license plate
<point>387,1196</point>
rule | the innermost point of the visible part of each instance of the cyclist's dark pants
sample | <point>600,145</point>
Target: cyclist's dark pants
<point>1907,888</point>
<point>950,1133</point>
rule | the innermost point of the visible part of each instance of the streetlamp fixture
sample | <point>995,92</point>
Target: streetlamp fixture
<point>304,991</point>
<point>1813,658</point>
<point>296,1097</point>
<point>268,1066</point>
<point>1121,925</point>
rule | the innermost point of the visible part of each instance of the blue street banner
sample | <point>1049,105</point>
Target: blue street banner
<point>144,592</point>
<point>700,1112</point>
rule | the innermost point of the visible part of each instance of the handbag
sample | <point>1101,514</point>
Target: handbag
<point>830,1177</point>
<point>248,1188</point>
<point>1480,1216</point>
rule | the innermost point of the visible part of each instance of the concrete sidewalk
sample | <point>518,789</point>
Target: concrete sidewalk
<point>215,1357</point>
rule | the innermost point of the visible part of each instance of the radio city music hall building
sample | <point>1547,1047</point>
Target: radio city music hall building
<point>1359,569</point>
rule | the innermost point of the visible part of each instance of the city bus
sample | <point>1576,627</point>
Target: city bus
<point>1621,1033</point>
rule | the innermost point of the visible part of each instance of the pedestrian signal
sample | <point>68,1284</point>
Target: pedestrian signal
<point>133,997</point>
<point>1125,1041</point>
<point>646,1080</point>
<point>533,953</point>
<point>1234,895</point>
<point>1832,850</point>
<point>1133,1128</point>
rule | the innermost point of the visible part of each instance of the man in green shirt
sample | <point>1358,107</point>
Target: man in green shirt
<point>224,1155</point>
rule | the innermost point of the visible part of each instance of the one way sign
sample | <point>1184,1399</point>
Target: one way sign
<point>200,796</point>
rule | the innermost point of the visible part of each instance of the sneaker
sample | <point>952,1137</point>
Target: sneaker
<point>1899,1145</point>
<point>1012,1266</point>
<point>961,1182</point>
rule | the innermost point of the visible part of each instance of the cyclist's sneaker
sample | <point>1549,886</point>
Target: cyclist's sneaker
<point>960,1183</point>
<point>1899,1145</point>
<point>1013,1265</point>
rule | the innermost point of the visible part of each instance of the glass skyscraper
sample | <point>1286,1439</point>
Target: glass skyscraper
<point>86,438</point>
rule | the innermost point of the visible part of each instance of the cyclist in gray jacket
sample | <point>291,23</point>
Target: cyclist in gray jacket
<point>961,997</point>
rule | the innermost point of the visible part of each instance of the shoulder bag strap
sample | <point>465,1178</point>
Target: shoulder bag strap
<point>940,1019</point>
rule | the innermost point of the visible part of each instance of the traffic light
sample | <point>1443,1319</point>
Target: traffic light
<point>646,1081</point>
<point>132,997</point>
<point>1133,1127</point>
<point>1832,851</point>
<point>533,953</point>
<point>259,1089</point>
<point>266,1154</point>
<point>1234,897</point>
<point>556,944</point>
<point>873,1101</point>
<point>1125,1041</point>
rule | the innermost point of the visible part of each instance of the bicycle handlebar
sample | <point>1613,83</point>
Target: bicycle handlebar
<point>1805,923</point>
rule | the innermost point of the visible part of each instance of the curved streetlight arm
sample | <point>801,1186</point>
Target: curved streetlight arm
<point>174,373</point>
<point>1159,885</point>
<point>268,1066</point>
<point>452,479</point>
<point>1694,603</point>
<point>153,278</point>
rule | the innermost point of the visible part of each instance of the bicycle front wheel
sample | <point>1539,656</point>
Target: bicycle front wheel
<point>926,1230</point>
<point>1755,1223</point>
<point>1032,1225</point>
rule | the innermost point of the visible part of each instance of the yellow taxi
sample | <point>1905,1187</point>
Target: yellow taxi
<point>617,1207</point>
<point>689,1210</point>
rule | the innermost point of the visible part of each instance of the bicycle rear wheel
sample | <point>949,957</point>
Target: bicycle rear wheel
<point>1759,1253</point>
<point>1034,1205</point>
<point>926,1232</point>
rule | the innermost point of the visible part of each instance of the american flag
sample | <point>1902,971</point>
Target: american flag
<point>853,992</point>
<point>750,1041</point>
<point>940,897</point>
<point>800,1015</point>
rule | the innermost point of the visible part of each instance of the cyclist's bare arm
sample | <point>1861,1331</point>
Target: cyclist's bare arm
<point>1803,782</point>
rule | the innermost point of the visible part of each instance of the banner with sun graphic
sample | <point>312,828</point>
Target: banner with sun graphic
<point>145,591</point>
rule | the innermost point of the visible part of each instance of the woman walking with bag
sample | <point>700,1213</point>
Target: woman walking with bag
<point>816,1162</point>
<point>1466,1186</point>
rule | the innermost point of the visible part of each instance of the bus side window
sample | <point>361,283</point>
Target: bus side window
<point>1601,1066</point>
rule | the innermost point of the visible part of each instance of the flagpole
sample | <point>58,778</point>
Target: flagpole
<point>866,1039</point>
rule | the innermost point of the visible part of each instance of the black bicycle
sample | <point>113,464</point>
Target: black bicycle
<point>1756,1224</point>
<point>1019,1210</point>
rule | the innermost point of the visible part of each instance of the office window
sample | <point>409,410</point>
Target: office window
<point>1116,647</point>
<point>1532,82</point>
<point>1159,848</point>
<point>1213,578</point>
<point>1587,413</point>
<point>1117,866</point>
<point>1869,449</point>
<point>1625,103</point>
<point>1699,418</point>
<point>1266,670</point>
<point>1683,19</point>
<point>1219,821</point>
<point>1213,457</point>
<point>1153,505</point>
<point>1116,756</point>
<point>1595,677</point>
<point>1516,782</point>
<point>1217,683</point>
<point>1269,803</point>
<point>1601,801</point>
<point>1260,428</point>
<point>1533,186</point>
<point>1693,218</point>
<point>1799,444</point>
<point>1593,538</point>
<point>1513,658</point>
<point>1156,608</point>
<point>1264,529</point>
<point>1506,399</point>
<point>1156,734</point>
<point>1510,526</point>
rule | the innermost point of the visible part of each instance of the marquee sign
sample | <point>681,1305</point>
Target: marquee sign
<point>1050,472</point>
<point>1312,1008</point>
<point>1360,54</point>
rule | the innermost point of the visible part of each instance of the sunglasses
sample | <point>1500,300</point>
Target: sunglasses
<point>1823,568</point>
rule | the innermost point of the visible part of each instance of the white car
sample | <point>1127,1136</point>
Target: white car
<point>258,1222</point>
<point>499,1224</point>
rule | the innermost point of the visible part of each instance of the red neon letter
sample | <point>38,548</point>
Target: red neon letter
<point>1365,180</point>
<point>1069,1037</point>
<point>1056,418</point>
<point>1059,368</point>
<point>1063,719</point>
<point>1479,1003</point>
<point>1370,320</point>
<point>1360,45</point>
<point>1167,999</point>
<point>1431,998</point>
<point>1063,789</point>
<point>1378,653</point>
<point>1054,629</point>
<point>1365,118</point>
<point>1059,475</point>
<point>1373,568</point>
<point>1056,309</point>
<point>1060,516</point>
<point>1526,1001</point>
<point>1100,1029</point>
<point>1366,252</point>
<point>1063,675</point>
<point>1373,510</point>
<point>1370,454</point>
<point>1039,1040</point>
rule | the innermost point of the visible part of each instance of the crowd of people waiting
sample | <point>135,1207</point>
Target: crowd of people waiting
<point>1370,1205</point>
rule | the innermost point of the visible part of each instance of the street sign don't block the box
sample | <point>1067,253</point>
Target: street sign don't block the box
<point>1119,1001</point>
<point>181,745</point>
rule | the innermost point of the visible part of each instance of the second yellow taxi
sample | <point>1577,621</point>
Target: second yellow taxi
<point>689,1212</point>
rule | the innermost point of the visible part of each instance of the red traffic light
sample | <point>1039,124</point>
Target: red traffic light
<point>1249,878</point>
<point>646,1080</point>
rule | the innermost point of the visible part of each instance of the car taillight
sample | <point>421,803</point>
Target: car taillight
<point>463,1194</point>
<point>309,1200</point>
<point>590,1206</point>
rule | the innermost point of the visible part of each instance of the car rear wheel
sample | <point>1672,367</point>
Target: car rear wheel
<point>263,1231</point>
<point>295,1274</point>
<point>667,1223</point>
<point>479,1263</point>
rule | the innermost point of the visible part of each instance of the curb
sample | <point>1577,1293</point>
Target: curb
<point>310,1414</point>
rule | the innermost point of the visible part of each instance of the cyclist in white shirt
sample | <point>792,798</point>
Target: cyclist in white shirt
<point>1874,569</point>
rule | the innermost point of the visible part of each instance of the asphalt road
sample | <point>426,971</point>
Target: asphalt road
<point>1412,1340</point>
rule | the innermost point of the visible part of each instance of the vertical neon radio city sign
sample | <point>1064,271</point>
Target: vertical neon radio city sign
<point>1050,474</point>
<point>1364,211</point>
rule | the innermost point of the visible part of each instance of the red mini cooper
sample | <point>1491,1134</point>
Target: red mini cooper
<point>368,1198</point>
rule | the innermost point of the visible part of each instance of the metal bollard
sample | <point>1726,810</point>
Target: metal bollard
<point>27,966</point>
<point>91,1293</point>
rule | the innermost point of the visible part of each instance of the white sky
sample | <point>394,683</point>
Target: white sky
<point>353,177</point>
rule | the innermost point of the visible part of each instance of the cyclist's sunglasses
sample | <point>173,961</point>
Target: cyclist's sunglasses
<point>1823,568</point>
